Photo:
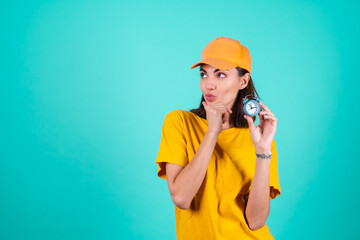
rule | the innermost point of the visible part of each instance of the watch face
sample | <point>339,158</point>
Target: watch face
<point>252,107</point>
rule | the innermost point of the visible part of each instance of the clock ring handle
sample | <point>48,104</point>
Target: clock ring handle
<point>250,95</point>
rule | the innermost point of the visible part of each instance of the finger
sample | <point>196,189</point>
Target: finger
<point>261,116</point>
<point>250,122</point>
<point>266,113</point>
<point>263,106</point>
<point>261,119</point>
<point>222,109</point>
<point>204,104</point>
<point>270,118</point>
<point>221,106</point>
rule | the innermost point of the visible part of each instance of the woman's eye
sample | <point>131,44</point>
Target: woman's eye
<point>203,74</point>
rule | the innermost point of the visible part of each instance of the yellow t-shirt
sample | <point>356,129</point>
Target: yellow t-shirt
<point>217,210</point>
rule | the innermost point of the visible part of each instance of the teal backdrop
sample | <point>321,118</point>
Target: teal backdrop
<point>85,87</point>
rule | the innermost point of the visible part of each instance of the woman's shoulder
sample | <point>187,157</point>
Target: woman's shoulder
<point>179,112</point>
<point>181,115</point>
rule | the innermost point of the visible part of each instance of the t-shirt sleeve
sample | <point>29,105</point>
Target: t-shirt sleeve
<point>275,189</point>
<point>172,144</point>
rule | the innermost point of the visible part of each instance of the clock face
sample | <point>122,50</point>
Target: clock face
<point>252,107</point>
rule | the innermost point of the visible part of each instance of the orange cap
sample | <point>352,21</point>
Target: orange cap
<point>225,53</point>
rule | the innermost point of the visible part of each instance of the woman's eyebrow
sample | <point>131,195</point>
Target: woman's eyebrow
<point>214,70</point>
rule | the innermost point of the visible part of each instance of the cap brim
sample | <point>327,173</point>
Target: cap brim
<point>216,63</point>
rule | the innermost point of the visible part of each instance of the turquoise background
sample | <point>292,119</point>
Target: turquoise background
<point>85,87</point>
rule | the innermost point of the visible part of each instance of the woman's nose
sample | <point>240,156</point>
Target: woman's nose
<point>210,84</point>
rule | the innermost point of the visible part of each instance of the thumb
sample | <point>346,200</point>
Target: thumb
<point>250,122</point>
<point>204,104</point>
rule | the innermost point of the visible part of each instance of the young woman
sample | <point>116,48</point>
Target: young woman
<point>220,168</point>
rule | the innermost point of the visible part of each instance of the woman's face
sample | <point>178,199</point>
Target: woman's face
<point>224,85</point>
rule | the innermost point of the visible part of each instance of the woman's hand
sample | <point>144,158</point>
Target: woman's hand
<point>216,116</point>
<point>262,135</point>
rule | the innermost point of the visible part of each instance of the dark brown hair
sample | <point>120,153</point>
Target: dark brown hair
<point>237,116</point>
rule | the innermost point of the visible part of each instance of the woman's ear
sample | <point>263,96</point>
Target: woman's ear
<point>244,80</point>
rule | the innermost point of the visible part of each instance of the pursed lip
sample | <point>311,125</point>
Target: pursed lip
<point>210,97</point>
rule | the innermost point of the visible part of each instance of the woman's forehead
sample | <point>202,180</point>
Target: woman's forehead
<point>207,66</point>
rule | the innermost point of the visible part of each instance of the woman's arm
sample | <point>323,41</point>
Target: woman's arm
<point>258,204</point>
<point>186,184</point>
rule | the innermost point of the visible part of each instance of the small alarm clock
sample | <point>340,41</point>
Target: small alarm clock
<point>251,107</point>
